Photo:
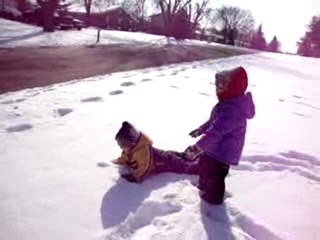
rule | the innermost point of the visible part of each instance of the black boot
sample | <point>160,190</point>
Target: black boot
<point>211,179</point>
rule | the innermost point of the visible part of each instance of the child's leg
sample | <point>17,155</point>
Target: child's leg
<point>171,161</point>
<point>211,179</point>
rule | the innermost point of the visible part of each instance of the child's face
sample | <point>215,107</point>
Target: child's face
<point>222,85</point>
<point>124,145</point>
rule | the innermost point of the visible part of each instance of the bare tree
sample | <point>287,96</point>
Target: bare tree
<point>170,8</point>
<point>198,11</point>
<point>87,5</point>
<point>176,12</point>
<point>21,4</point>
<point>233,21</point>
<point>137,8</point>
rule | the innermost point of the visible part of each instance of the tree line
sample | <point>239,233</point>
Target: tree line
<point>183,18</point>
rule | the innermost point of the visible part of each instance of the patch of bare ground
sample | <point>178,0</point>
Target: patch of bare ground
<point>27,67</point>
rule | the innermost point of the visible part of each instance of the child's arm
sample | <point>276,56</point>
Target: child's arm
<point>224,123</point>
<point>122,160</point>
<point>204,127</point>
<point>200,130</point>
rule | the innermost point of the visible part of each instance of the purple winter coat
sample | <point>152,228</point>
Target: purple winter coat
<point>224,133</point>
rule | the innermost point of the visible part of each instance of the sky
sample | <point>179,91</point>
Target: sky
<point>57,142</point>
<point>285,19</point>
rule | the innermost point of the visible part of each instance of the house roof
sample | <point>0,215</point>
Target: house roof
<point>101,8</point>
<point>77,7</point>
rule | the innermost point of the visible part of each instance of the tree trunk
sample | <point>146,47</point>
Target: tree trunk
<point>48,10</point>
<point>88,11</point>
<point>48,24</point>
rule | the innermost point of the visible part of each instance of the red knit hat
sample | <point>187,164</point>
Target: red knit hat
<point>231,83</point>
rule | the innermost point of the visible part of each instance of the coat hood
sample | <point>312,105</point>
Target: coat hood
<point>143,141</point>
<point>245,104</point>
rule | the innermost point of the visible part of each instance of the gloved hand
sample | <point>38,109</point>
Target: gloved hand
<point>129,178</point>
<point>193,152</point>
<point>195,133</point>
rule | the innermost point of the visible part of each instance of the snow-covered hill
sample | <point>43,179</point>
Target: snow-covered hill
<point>57,143</point>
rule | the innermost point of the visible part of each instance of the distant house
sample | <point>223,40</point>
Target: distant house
<point>156,24</point>
<point>114,17</point>
<point>179,22</point>
<point>9,10</point>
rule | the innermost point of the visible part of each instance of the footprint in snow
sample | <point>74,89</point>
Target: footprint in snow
<point>19,128</point>
<point>13,101</point>
<point>146,80</point>
<point>301,115</point>
<point>128,76</point>
<point>13,115</point>
<point>204,94</point>
<point>174,73</point>
<point>103,164</point>
<point>32,94</point>
<point>91,99</point>
<point>298,97</point>
<point>307,105</point>
<point>49,89</point>
<point>116,92</point>
<point>301,156</point>
<point>148,212</point>
<point>174,87</point>
<point>127,84</point>
<point>63,111</point>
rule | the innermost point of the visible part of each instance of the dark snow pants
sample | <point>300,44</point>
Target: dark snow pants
<point>172,161</point>
<point>212,174</point>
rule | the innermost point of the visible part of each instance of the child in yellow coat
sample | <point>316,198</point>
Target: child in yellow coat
<point>142,159</point>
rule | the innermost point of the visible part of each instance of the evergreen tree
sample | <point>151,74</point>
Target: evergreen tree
<point>309,45</point>
<point>274,45</point>
<point>258,40</point>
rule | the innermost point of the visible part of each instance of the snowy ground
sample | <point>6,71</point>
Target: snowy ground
<point>56,144</point>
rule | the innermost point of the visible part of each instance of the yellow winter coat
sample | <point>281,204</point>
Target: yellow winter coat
<point>139,159</point>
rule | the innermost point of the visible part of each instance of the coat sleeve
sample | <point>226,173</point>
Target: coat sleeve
<point>204,127</point>
<point>223,123</point>
<point>122,160</point>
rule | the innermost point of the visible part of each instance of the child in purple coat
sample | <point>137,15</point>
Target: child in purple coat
<point>223,135</point>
